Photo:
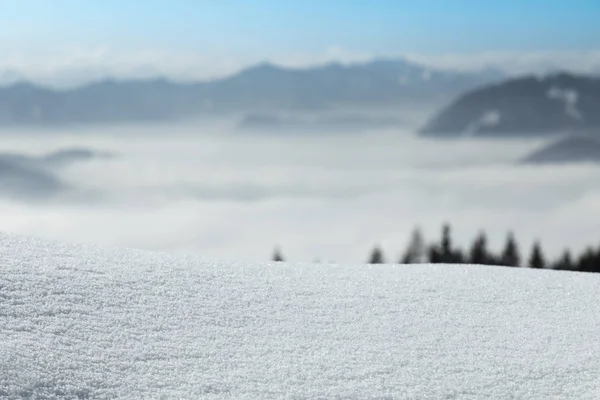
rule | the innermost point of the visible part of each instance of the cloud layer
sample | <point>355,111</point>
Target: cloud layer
<point>74,66</point>
<point>203,189</point>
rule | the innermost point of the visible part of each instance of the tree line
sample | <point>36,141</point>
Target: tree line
<point>445,252</point>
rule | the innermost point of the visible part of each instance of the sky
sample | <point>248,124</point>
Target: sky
<point>216,37</point>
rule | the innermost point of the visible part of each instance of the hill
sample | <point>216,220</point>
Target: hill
<point>262,88</point>
<point>34,177</point>
<point>571,149</point>
<point>89,322</point>
<point>525,107</point>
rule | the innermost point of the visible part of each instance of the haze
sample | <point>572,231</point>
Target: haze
<point>210,190</point>
<point>166,89</point>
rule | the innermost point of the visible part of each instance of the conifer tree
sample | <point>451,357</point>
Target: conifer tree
<point>447,253</point>
<point>443,252</point>
<point>596,265</point>
<point>434,255</point>
<point>458,257</point>
<point>510,255</point>
<point>479,253</point>
<point>565,262</point>
<point>446,245</point>
<point>277,256</point>
<point>536,260</point>
<point>415,252</point>
<point>588,261</point>
<point>376,256</point>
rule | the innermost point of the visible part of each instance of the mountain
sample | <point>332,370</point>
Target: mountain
<point>261,88</point>
<point>25,181</point>
<point>527,106</point>
<point>572,149</point>
<point>87,322</point>
<point>27,177</point>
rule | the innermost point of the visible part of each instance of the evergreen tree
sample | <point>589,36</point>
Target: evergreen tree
<point>479,253</point>
<point>564,262</point>
<point>277,256</point>
<point>444,253</point>
<point>376,256</point>
<point>596,266</point>
<point>415,252</point>
<point>447,253</point>
<point>446,245</point>
<point>589,261</point>
<point>458,257</point>
<point>536,260</point>
<point>510,255</point>
<point>434,255</point>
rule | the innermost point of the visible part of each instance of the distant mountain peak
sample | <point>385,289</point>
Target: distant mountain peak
<point>380,84</point>
<point>263,67</point>
<point>524,106</point>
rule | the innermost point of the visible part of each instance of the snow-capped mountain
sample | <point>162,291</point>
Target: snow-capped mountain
<point>527,106</point>
<point>266,87</point>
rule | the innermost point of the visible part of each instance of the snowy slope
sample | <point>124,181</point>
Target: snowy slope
<point>85,322</point>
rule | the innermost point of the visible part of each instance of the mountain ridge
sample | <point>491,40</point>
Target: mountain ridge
<point>524,106</point>
<point>264,87</point>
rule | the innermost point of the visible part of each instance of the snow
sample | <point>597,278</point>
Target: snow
<point>491,118</point>
<point>403,80</point>
<point>488,119</point>
<point>88,322</point>
<point>569,97</point>
<point>426,75</point>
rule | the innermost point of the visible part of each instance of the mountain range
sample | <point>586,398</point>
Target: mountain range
<point>35,177</point>
<point>378,84</point>
<point>527,106</point>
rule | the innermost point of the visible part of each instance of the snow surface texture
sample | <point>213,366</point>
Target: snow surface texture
<point>569,97</point>
<point>84,322</point>
<point>489,119</point>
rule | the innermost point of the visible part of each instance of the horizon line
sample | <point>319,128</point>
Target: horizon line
<point>173,80</point>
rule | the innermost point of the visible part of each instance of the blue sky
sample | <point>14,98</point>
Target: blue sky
<point>267,26</point>
<point>214,37</point>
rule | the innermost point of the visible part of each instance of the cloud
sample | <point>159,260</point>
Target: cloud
<point>330,54</point>
<point>515,62</point>
<point>221,195</point>
<point>74,66</point>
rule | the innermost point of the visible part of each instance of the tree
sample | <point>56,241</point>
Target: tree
<point>536,260</point>
<point>443,252</point>
<point>446,245</point>
<point>458,257</point>
<point>564,262</point>
<point>434,254</point>
<point>277,256</point>
<point>376,256</point>
<point>415,252</point>
<point>589,261</point>
<point>447,253</point>
<point>478,253</point>
<point>510,255</point>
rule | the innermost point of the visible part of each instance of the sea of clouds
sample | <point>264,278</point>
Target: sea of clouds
<point>210,189</point>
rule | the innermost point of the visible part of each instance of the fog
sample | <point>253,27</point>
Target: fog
<point>218,192</point>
